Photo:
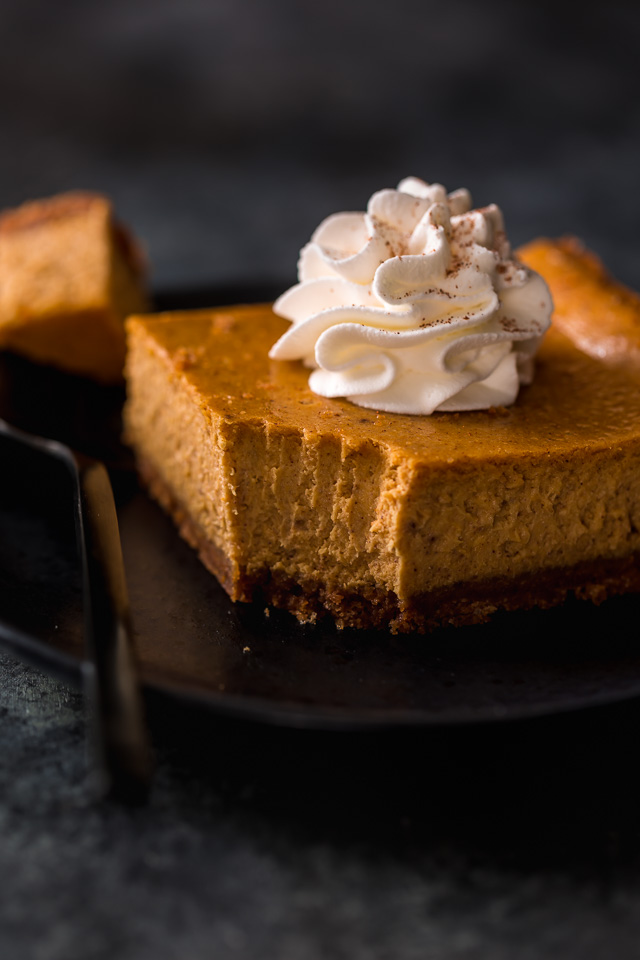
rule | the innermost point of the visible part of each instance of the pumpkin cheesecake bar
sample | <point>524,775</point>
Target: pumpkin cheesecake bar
<point>385,519</point>
<point>69,275</point>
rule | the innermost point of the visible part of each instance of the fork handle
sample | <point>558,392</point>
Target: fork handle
<point>118,724</point>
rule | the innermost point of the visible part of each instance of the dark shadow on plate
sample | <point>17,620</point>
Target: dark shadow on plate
<point>553,794</point>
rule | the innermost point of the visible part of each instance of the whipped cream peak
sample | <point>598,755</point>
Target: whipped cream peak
<point>415,305</point>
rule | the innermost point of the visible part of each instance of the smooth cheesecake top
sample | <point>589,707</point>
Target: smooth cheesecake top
<point>576,401</point>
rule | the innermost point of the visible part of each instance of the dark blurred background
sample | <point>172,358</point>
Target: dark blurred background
<point>226,130</point>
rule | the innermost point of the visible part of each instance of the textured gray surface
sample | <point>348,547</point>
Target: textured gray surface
<point>225,132</point>
<point>513,843</point>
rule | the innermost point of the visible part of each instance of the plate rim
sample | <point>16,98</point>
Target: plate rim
<point>73,670</point>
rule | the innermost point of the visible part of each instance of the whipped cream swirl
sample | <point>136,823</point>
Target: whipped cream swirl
<point>414,306</point>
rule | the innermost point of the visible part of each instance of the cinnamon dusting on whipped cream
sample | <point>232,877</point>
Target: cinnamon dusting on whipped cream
<point>415,306</point>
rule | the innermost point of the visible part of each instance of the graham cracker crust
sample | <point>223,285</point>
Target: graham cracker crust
<point>462,605</point>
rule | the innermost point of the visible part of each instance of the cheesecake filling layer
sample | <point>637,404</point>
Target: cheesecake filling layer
<point>296,505</point>
<point>471,602</point>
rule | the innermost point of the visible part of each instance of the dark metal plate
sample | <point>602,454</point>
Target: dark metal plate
<point>195,645</point>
